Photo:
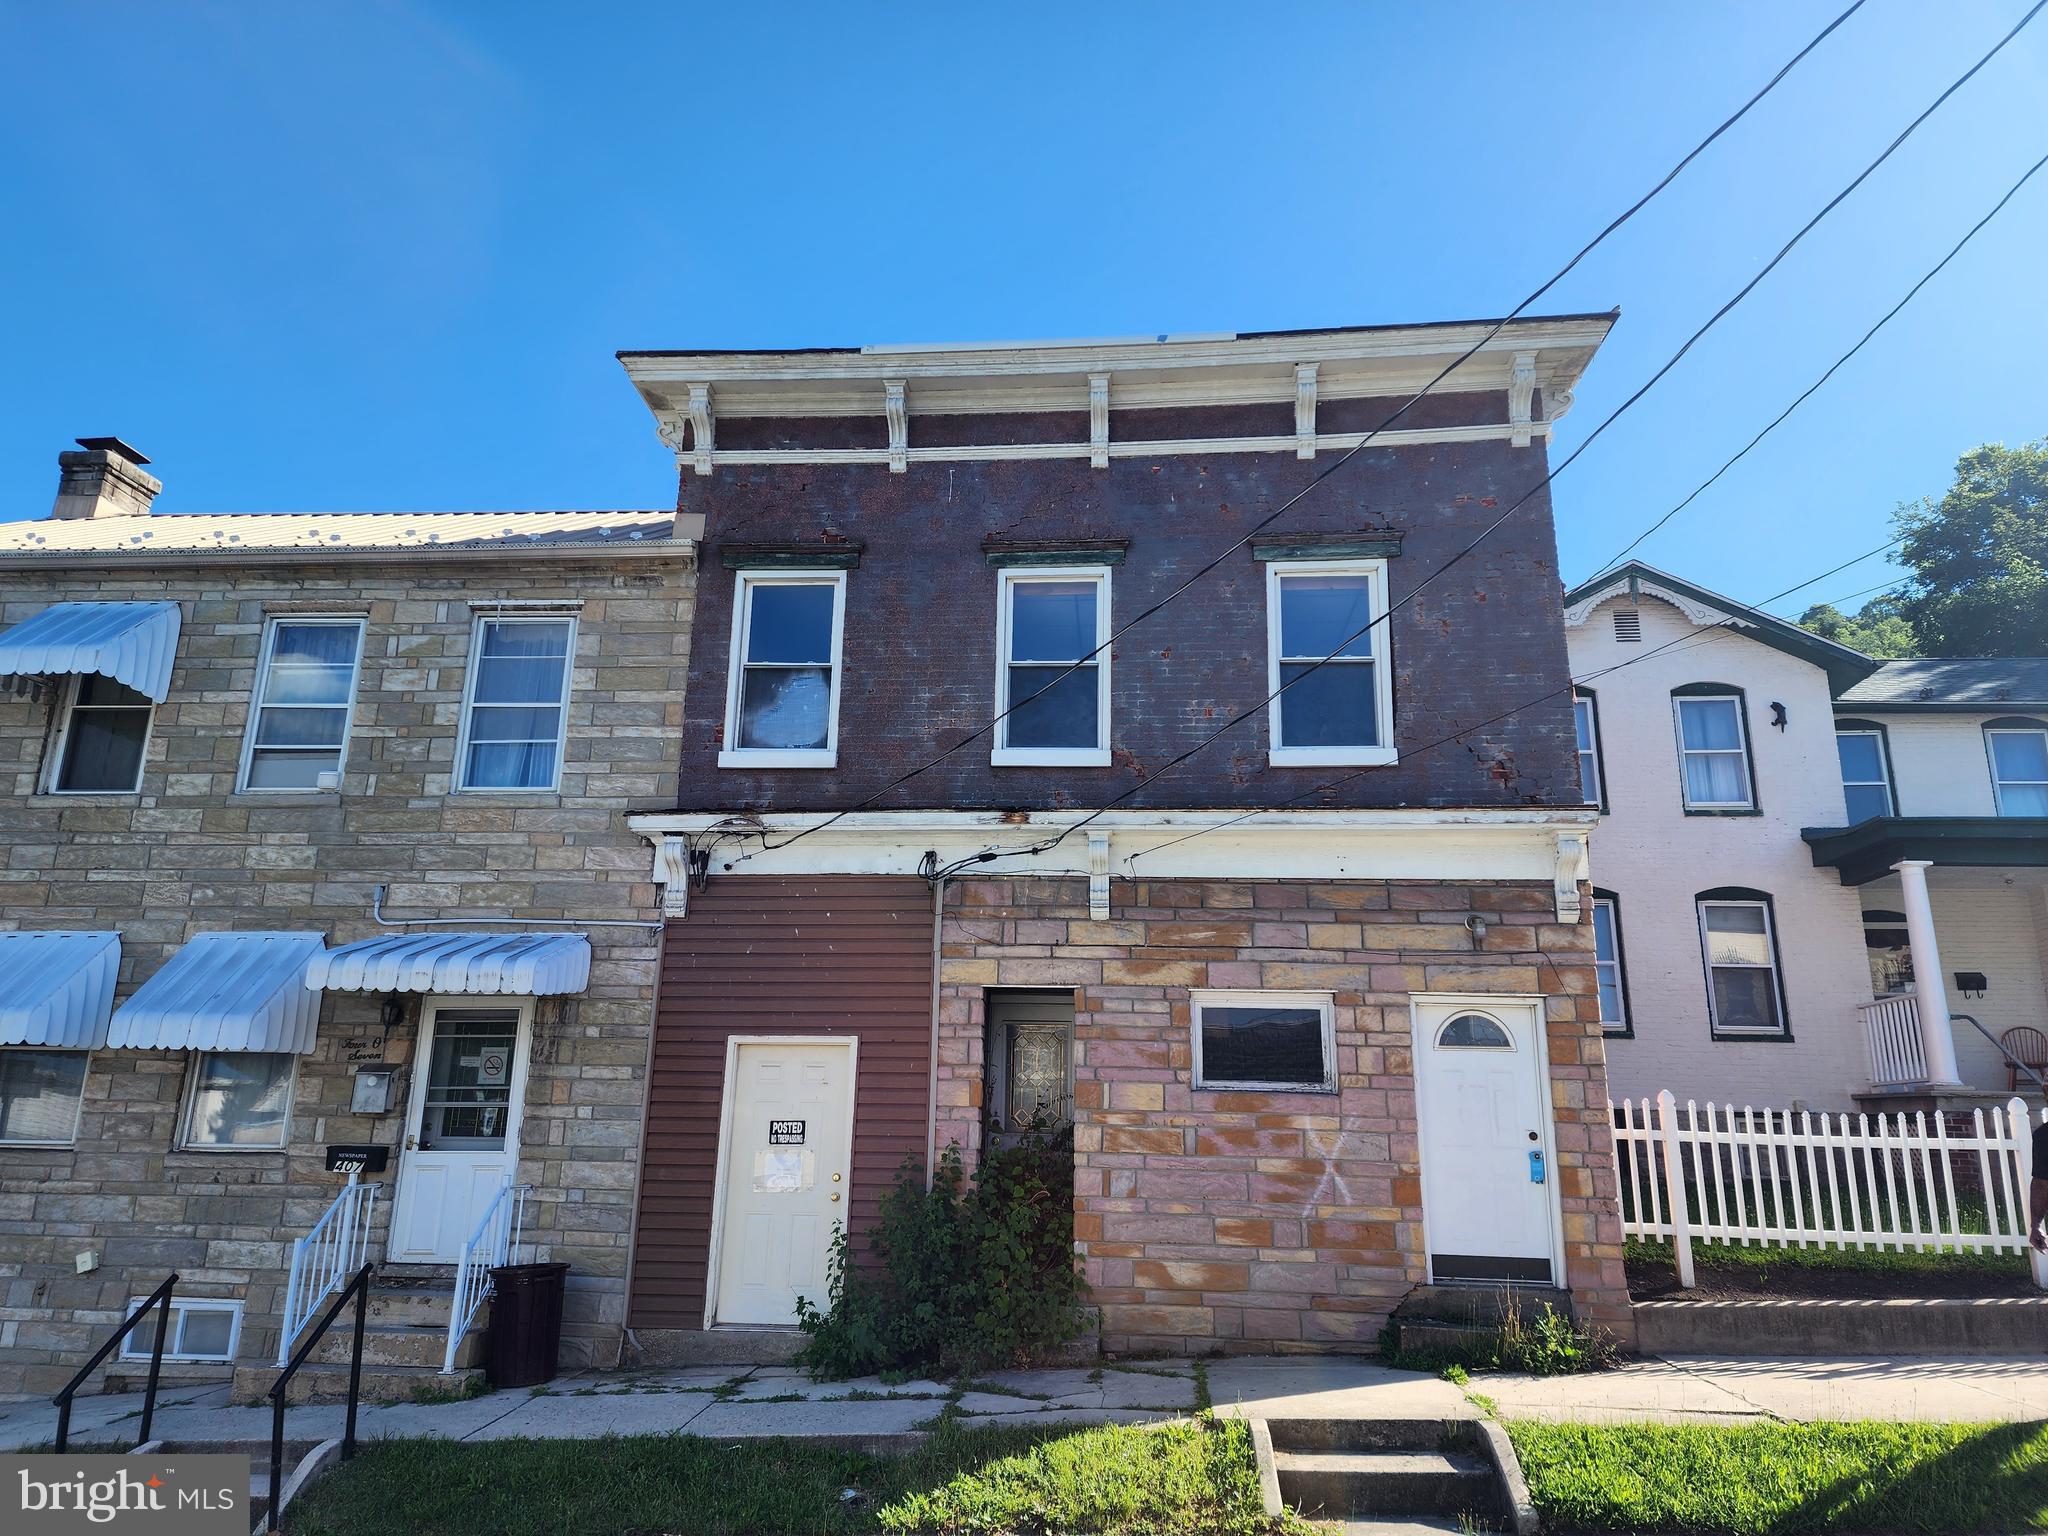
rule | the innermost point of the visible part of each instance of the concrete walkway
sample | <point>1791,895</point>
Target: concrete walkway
<point>719,1402</point>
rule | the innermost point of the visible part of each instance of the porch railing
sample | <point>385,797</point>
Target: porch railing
<point>1714,1174</point>
<point>490,1245</point>
<point>1891,1028</point>
<point>325,1258</point>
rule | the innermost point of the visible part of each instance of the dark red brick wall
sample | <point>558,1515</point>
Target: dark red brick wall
<point>921,616</point>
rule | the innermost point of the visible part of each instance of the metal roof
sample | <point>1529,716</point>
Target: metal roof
<point>514,964</point>
<point>56,989</point>
<point>1989,682</point>
<point>226,992</point>
<point>133,643</point>
<point>246,533</point>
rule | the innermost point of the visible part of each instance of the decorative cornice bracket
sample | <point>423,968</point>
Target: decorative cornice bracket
<point>1521,397</point>
<point>1098,877</point>
<point>1098,421</point>
<point>672,874</point>
<point>896,406</point>
<point>1304,410</point>
<point>1571,866</point>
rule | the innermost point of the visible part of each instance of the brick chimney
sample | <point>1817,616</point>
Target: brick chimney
<point>103,477</point>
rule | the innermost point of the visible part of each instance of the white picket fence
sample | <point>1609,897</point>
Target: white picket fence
<point>1716,1174</point>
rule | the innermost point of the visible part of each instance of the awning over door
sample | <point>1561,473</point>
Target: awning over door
<point>226,992</point>
<point>133,643</point>
<point>56,989</point>
<point>507,964</point>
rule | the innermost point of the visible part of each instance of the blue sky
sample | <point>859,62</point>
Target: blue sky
<point>379,255</point>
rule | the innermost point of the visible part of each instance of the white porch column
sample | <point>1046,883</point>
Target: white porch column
<point>1930,989</point>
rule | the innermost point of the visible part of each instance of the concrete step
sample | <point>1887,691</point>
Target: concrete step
<point>1479,1304</point>
<point>320,1382</point>
<point>419,1304</point>
<point>1393,1482</point>
<point>1327,1436</point>
<point>397,1344</point>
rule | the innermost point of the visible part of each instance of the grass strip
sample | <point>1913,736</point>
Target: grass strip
<point>1777,1479</point>
<point>1850,1260</point>
<point>1112,1480</point>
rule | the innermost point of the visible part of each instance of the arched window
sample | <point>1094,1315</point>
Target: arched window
<point>1714,772</point>
<point>1739,942</point>
<point>1473,1032</point>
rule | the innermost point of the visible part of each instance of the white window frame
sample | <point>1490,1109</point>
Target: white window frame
<point>1780,1030</point>
<point>459,776</point>
<point>1883,780</point>
<point>1003,755</point>
<point>1380,633</point>
<point>70,1138</point>
<point>1741,749</point>
<point>1991,758</point>
<point>1324,1003</point>
<point>1592,782</point>
<point>136,1347</point>
<point>257,706</point>
<point>1621,1024</point>
<point>67,705</point>
<point>827,756</point>
<point>190,1098</point>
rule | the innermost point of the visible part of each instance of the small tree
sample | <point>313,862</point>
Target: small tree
<point>1980,557</point>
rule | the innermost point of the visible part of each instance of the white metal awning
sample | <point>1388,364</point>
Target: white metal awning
<point>226,992</point>
<point>56,989</point>
<point>133,643</point>
<point>507,964</point>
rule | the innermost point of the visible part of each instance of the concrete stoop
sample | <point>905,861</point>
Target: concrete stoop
<point>1997,1325</point>
<point>1456,1321</point>
<point>405,1339</point>
<point>1368,1471</point>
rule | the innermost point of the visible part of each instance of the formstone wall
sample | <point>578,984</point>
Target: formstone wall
<point>189,854</point>
<point>1261,1222</point>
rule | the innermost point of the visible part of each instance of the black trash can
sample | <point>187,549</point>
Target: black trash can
<point>526,1324</point>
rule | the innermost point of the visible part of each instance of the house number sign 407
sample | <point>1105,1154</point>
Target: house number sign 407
<point>785,1133</point>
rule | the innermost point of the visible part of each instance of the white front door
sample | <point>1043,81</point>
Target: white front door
<point>785,1164</point>
<point>462,1126</point>
<point>1489,1184</point>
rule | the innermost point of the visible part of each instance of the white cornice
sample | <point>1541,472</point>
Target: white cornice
<point>1695,612</point>
<point>1034,823</point>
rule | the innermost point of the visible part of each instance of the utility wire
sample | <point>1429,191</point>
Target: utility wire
<point>1415,591</point>
<point>1933,272</point>
<point>1352,453</point>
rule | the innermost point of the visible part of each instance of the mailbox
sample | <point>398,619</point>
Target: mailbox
<point>358,1159</point>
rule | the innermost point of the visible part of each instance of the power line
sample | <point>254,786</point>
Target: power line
<point>1384,619</point>
<point>1352,453</point>
<point>1811,389</point>
<point>1698,638</point>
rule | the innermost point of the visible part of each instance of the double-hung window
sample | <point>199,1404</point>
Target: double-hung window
<point>103,734</point>
<point>1607,965</point>
<point>1741,951</point>
<point>239,1101</point>
<point>518,704</point>
<point>1866,787</point>
<point>782,694</point>
<point>1713,753</point>
<point>1052,687</point>
<point>2019,769</point>
<point>299,712</point>
<point>1586,722</point>
<point>1270,1041</point>
<point>1326,648</point>
<point>40,1092</point>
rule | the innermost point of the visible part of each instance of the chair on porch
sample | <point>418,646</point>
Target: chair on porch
<point>2023,1045</point>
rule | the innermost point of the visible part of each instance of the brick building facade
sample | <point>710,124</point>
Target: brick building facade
<point>95,1212</point>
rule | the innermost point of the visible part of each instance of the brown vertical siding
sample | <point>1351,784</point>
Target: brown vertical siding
<point>763,955</point>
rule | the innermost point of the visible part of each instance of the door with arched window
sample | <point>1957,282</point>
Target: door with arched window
<point>1489,1185</point>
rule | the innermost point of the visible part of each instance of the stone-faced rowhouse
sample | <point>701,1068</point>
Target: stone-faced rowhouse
<point>274,785</point>
<point>1318,999</point>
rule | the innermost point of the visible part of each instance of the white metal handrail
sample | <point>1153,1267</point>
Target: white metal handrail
<point>1891,1028</point>
<point>1717,1174</point>
<point>490,1245</point>
<point>325,1258</point>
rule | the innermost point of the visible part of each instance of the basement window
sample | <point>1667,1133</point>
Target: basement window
<point>1275,1042</point>
<point>201,1329</point>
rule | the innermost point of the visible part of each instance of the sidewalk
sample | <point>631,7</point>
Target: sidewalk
<point>723,1403</point>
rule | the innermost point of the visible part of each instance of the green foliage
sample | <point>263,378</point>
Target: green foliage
<point>961,1276</point>
<point>1878,629</point>
<point>1782,1479</point>
<point>1979,557</point>
<point>1551,1345</point>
